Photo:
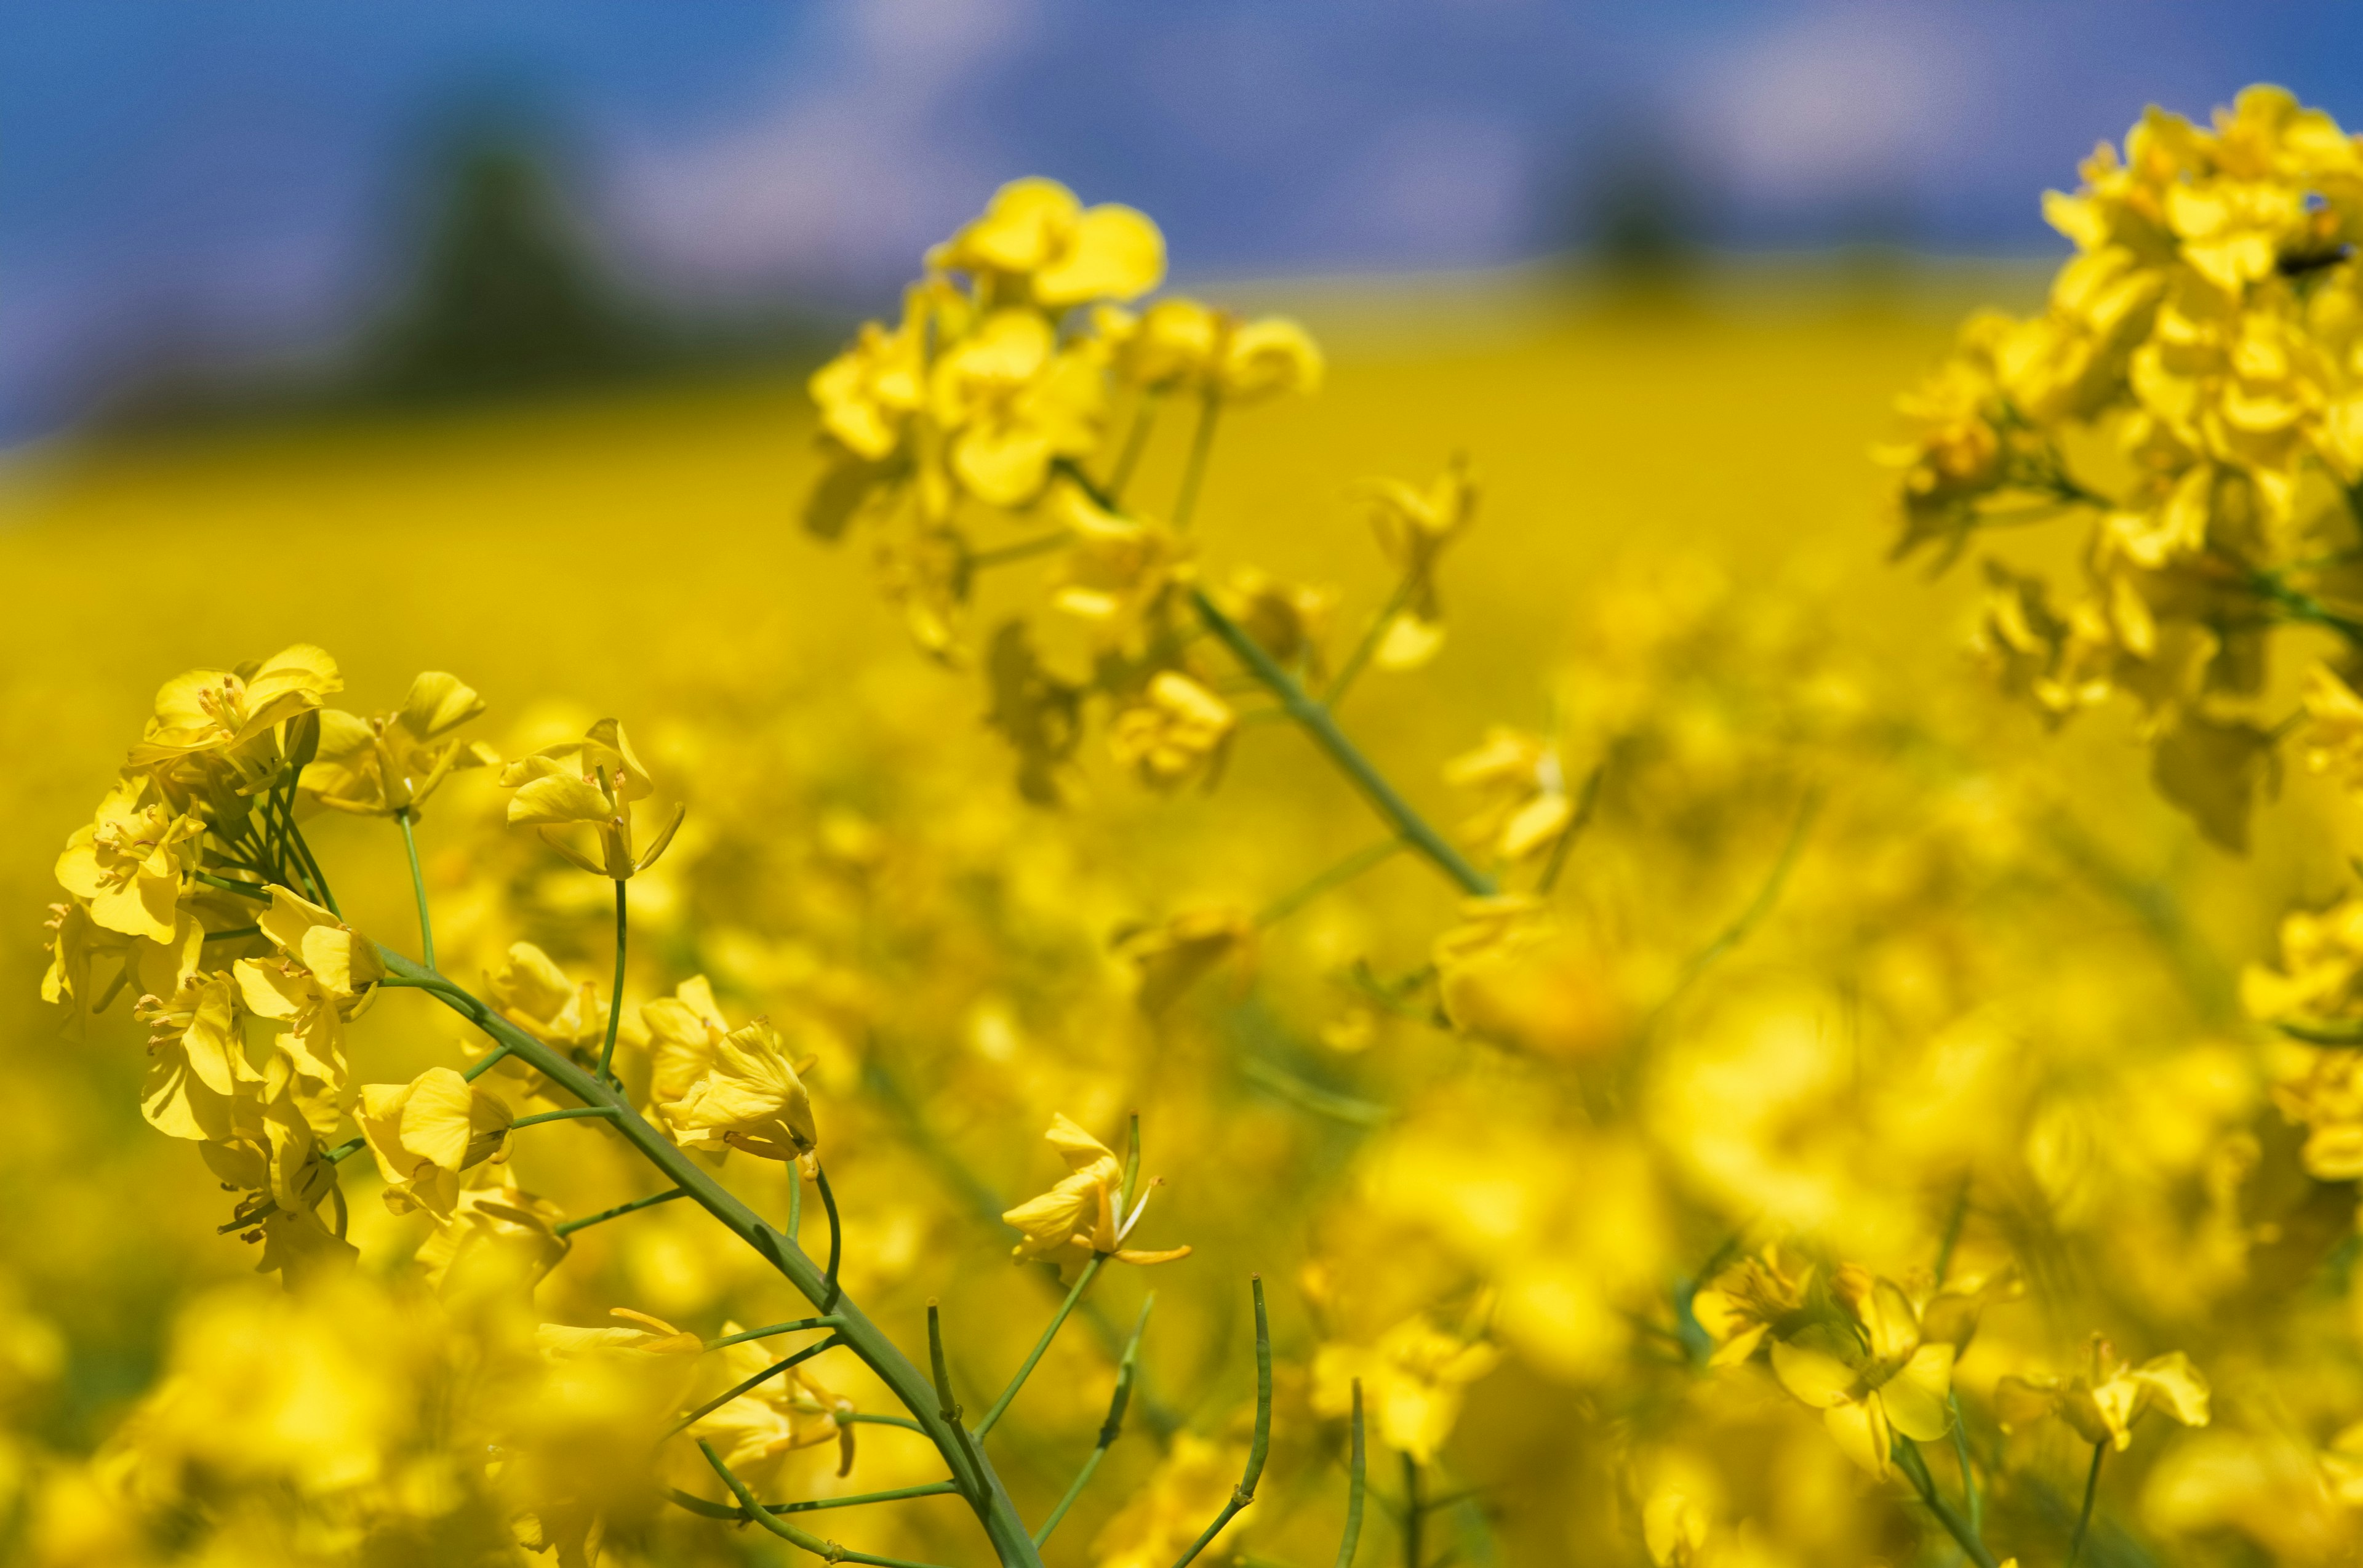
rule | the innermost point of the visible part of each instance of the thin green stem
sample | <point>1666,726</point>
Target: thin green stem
<point>243,889</point>
<point>1356,1466</point>
<point>1024,548</point>
<point>312,871</point>
<point>1244,1492</point>
<point>744,1385</point>
<point>1972,1503</point>
<point>697,1505</point>
<point>836,1240</point>
<point>234,934</point>
<point>571,1225</point>
<point>1110,1428</point>
<point>908,1384</point>
<point>945,1406</point>
<point>572,1112</point>
<point>1585,805</point>
<point>828,1550</point>
<point>1136,441</point>
<point>1344,871</point>
<point>1960,1212</point>
<point>1082,1282</point>
<point>2091,1491</point>
<point>1767,895</point>
<point>616,1007</point>
<point>1314,719</point>
<point>1371,637</point>
<point>485,1064</point>
<point>871,1419</point>
<point>1193,474</point>
<point>418,888</point>
<point>800,1323</point>
<point>1915,1470</point>
<point>1414,1512</point>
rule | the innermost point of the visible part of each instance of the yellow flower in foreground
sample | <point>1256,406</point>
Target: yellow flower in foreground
<point>1116,571</point>
<point>1177,729</point>
<point>1749,1300</point>
<point>2103,1403</point>
<point>685,1031</point>
<point>196,1059</point>
<point>588,783</point>
<point>1414,527</point>
<point>130,862</point>
<point>224,710</point>
<point>393,761</point>
<point>1014,403</point>
<point>1523,787</point>
<point>1510,973</point>
<point>1036,239</point>
<point>424,1132</point>
<point>1078,1217</point>
<point>1874,1377</point>
<point>1165,1516</point>
<point>749,1097</point>
<point>1412,1382</point>
<point>323,976</point>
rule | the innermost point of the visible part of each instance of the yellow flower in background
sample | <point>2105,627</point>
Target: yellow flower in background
<point>588,783</point>
<point>495,1239</point>
<point>1116,571</point>
<point>131,862</point>
<point>2321,1091</point>
<point>1014,402</point>
<point>1412,1381</point>
<point>424,1132</point>
<point>777,1417</point>
<point>1166,1515</point>
<point>866,395</point>
<point>2321,975</point>
<point>1182,344</point>
<point>747,1097</point>
<point>393,761</point>
<point>1267,358</point>
<point>1173,955</point>
<point>1078,1218</point>
<point>1414,527</point>
<point>1874,1377</point>
<point>2333,732</point>
<point>2102,1403</point>
<point>226,710</point>
<point>1524,786</point>
<point>1289,621</point>
<point>1177,731</point>
<point>1511,973</point>
<point>1036,241</point>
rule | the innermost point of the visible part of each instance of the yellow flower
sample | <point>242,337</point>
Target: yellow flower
<point>1177,729</point>
<point>1078,1218</point>
<point>1288,620</point>
<point>1510,973</point>
<point>2333,732</point>
<point>494,1239</point>
<point>424,1132</point>
<point>1749,1300</point>
<point>196,1059</point>
<point>686,1033</point>
<point>1414,527</point>
<point>226,710</point>
<point>1037,240</point>
<point>1266,359</point>
<point>592,783</point>
<point>2324,1094</point>
<point>131,862</point>
<point>1116,571</point>
<point>1179,343</point>
<point>325,974</point>
<point>1524,785</point>
<point>393,761</point>
<point>1412,1379</point>
<point>1014,402</point>
<point>1873,1376</point>
<point>1166,1515</point>
<point>867,394</point>
<point>1173,955</point>
<point>1038,714</point>
<point>272,1152</point>
<point>777,1417</point>
<point>2320,976</point>
<point>2103,1403</point>
<point>749,1097</point>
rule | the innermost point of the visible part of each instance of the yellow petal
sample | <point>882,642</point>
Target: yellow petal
<point>1821,1380</point>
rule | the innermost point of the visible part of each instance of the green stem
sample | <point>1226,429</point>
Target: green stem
<point>1002,555</point>
<point>1337,876</point>
<point>697,1505</point>
<point>571,1225</point>
<point>418,888</point>
<point>1369,645</point>
<point>1194,474</point>
<point>945,1406</point>
<point>616,1007</point>
<point>1082,1282</point>
<point>1355,1472</point>
<point>909,1386</point>
<point>1110,1429</point>
<point>1414,1512</point>
<point>243,889</point>
<point>826,1551</point>
<point>1315,719</point>
<point>1244,1492</point>
<point>1970,1498</point>
<point>757,1380</point>
<point>1952,1230</point>
<point>1136,441</point>
<point>312,871</point>
<point>571,1113</point>
<point>871,1419</point>
<point>1915,1470</point>
<point>234,933</point>
<point>800,1323</point>
<point>2091,1490</point>
<point>1585,805</point>
<point>836,1240</point>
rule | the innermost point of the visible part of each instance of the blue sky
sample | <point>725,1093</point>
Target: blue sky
<point>211,178</point>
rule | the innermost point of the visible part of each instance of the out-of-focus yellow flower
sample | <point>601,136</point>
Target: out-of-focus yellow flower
<point>1189,1487</point>
<point>1523,784</point>
<point>1038,713</point>
<point>867,393</point>
<point>747,1097</point>
<point>130,864</point>
<point>1014,402</point>
<point>1289,621</point>
<point>1077,1219</point>
<point>1173,955</point>
<point>776,1417</point>
<point>1674,1528</point>
<point>1414,527</point>
<point>2332,740</point>
<point>1510,973</point>
<point>1750,1299</point>
<point>424,1132</point>
<point>2320,976</point>
<point>1182,343</point>
<point>2102,1403</point>
<point>1872,1377</point>
<point>1036,241</point>
<point>224,711</point>
<point>497,1239</point>
<point>588,783</point>
<point>1176,730</point>
<point>393,761</point>
<point>1412,1381</point>
<point>1116,571</point>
